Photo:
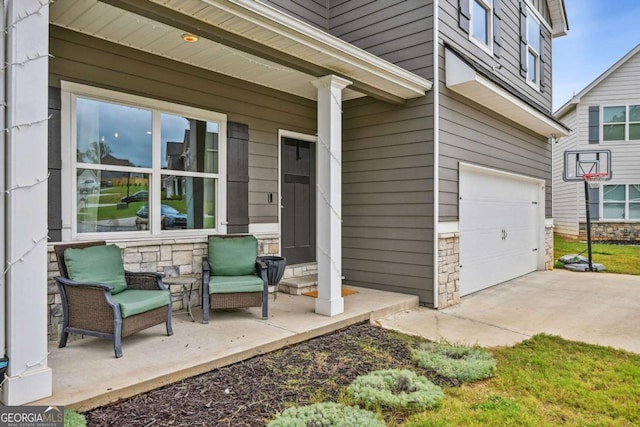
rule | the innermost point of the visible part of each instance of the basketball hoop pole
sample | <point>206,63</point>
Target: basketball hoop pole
<point>586,202</point>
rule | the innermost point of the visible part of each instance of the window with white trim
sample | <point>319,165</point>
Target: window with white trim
<point>145,167</point>
<point>533,49</point>
<point>621,123</point>
<point>482,23</point>
<point>621,202</point>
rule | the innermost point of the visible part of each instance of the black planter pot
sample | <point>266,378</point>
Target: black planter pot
<point>275,269</point>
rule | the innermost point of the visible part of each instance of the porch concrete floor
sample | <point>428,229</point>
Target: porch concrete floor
<point>87,375</point>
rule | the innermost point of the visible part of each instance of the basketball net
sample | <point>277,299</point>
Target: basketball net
<point>595,179</point>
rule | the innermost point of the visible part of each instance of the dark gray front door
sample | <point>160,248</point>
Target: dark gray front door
<point>298,201</point>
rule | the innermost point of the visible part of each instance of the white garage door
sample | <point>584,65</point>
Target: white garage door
<point>500,226</point>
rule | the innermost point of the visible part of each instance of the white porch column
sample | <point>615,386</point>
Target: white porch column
<point>27,47</point>
<point>329,195</point>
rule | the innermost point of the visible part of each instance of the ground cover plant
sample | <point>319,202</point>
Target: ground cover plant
<point>544,381</point>
<point>622,259</point>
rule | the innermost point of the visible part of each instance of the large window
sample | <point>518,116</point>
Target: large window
<point>621,202</point>
<point>149,168</point>
<point>482,23</point>
<point>621,123</point>
<point>533,49</point>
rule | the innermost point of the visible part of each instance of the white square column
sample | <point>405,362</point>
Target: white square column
<point>26,46</point>
<point>329,195</point>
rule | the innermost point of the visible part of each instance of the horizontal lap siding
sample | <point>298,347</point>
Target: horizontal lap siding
<point>387,235</point>
<point>470,132</point>
<point>91,61</point>
<point>568,197</point>
<point>314,12</point>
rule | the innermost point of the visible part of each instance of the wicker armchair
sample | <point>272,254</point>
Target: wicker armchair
<point>89,308</point>
<point>233,276</point>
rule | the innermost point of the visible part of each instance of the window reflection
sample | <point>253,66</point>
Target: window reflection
<point>189,144</point>
<point>112,134</point>
<point>107,201</point>
<point>189,196</point>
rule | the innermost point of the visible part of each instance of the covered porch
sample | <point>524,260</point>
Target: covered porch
<point>86,375</point>
<point>252,65</point>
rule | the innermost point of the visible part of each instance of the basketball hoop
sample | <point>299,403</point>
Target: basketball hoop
<point>595,179</point>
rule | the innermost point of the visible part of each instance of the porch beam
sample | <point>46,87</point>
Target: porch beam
<point>158,13</point>
<point>27,46</point>
<point>329,195</point>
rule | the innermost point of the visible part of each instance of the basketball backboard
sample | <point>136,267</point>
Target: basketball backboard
<point>577,163</point>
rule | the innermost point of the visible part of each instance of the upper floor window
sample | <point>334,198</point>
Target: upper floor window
<point>533,49</point>
<point>146,166</point>
<point>482,22</point>
<point>621,123</point>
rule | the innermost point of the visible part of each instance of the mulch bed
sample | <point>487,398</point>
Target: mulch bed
<point>251,392</point>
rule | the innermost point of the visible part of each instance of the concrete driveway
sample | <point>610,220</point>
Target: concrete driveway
<point>596,308</point>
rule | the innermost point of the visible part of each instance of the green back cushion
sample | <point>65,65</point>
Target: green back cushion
<point>233,256</point>
<point>102,264</point>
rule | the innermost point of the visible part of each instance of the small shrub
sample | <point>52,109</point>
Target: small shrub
<point>459,362</point>
<point>326,415</point>
<point>395,388</point>
<point>74,419</point>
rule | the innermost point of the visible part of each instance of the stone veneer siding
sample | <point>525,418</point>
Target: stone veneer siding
<point>448,269</point>
<point>172,257</point>
<point>607,231</point>
<point>548,248</point>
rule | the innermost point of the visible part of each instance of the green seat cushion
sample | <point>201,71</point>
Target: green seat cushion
<point>101,264</point>
<point>136,301</point>
<point>231,284</point>
<point>234,256</point>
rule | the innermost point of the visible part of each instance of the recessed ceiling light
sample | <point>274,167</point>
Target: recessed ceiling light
<point>190,38</point>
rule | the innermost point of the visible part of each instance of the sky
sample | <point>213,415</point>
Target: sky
<point>600,33</point>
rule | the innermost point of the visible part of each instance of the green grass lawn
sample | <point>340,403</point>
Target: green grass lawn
<point>546,381</point>
<point>616,258</point>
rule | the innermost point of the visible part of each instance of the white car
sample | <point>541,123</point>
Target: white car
<point>88,186</point>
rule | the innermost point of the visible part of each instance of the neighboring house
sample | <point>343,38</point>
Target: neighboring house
<point>404,145</point>
<point>604,116</point>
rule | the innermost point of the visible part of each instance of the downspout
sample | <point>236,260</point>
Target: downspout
<point>3,203</point>
<point>436,147</point>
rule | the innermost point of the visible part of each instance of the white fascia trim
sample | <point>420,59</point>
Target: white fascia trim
<point>270,18</point>
<point>463,79</point>
<point>559,23</point>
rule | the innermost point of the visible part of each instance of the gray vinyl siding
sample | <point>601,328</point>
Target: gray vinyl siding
<point>387,234</point>
<point>568,197</point>
<point>314,12</point>
<point>619,88</point>
<point>398,31</point>
<point>83,59</point>
<point>470,132</point>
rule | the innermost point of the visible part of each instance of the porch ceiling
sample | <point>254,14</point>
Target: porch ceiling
<point>244,39</point>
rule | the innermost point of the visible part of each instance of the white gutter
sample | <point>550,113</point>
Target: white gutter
<point>436,146</point>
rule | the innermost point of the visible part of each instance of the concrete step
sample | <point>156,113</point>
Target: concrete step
<point>299,285</point>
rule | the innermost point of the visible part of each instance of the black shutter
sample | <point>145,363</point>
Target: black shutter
<point>543,74</point>
<point>594,124</point>
<point>237,178</point>
<point>497,28</point>
<point>464,13</point>
<point>523,39</point>
<point>594,203</point>
<point>54,183</point>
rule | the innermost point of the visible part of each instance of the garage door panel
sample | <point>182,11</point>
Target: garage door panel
<point>499,228</point>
